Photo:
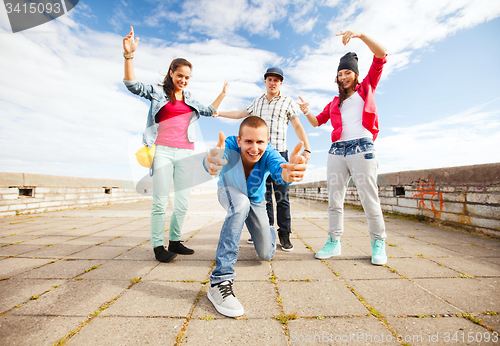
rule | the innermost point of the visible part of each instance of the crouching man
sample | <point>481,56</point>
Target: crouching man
<point>244,163</point>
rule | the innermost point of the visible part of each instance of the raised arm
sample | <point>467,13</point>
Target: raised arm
<point>221,96</point>
<point>304,107</point>
<point>376,47</point>
<point>129,47</point>
<point>301,134</point>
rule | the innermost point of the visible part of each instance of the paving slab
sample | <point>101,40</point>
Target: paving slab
<point>440,331</point>
<point>52,289</point>
<point>74,298</point>
<point>420,268</point>
<point>253,270</point>
<point>470,266</point>
<point>55,251</point>
<point>319,298</point>
<point>159,298</point>
<point>142,252</point>
<point>118,270</point>
<point>100,252</point>
<point>360,269</point>
<point>492,321</point>
<point>339,331</point>
<point>13,266</point>
<point>17,249</point>
<point>35,330</point>
<point>180,270</point>
<point>230,331</point>
<point>308,269</point>
<point>128,331</point>
<point>61,269</point>
<point>18,291</point>
<point>469,295</point>
<point>400,297</point>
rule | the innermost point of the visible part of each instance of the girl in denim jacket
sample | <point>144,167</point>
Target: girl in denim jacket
<point>169,126</point>
<point>354,118</point>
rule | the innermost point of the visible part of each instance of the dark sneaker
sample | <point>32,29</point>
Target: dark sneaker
<point>224,300</point>
<point>163,255</point>
<point>178,247</point>
<point>250,241</point>
<point>285,243</point>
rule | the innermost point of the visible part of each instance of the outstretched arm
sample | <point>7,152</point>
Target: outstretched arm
<point>232,114</point>
<point>295,169</point>
<point>304,107</point>
<point>129,47</point>
<point>376,47</point>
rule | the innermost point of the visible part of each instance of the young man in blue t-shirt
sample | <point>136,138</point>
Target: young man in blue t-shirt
<point>244,163</point>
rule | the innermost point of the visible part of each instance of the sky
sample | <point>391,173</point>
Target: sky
<point>64,109</point>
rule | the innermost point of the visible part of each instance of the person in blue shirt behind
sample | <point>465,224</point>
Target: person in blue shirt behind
<point>244,163</point>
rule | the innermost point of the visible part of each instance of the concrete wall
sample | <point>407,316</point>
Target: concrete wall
<point>24,193</point>
<point>467,196</point>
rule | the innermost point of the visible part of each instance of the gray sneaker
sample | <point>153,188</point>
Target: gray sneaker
<point>224,300</point>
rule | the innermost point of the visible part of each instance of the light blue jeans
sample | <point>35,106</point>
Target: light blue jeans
<point>170,164</point>
<point>357,159</point>
<point>241,210</point>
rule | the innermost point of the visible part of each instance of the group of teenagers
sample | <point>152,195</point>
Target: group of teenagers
<point>255,162</point>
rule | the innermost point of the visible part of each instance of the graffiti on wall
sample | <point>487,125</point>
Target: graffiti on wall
<point>429,199</point>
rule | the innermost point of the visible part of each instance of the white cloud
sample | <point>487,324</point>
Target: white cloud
<point>402,26</point>
<point>63,104</point>
<point>461,139</point>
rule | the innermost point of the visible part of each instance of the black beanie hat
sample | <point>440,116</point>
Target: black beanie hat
<point>349,62</point>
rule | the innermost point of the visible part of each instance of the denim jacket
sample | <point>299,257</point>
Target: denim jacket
<point>158,99</point>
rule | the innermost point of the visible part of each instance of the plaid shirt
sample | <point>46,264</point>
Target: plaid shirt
<point>276,114</point>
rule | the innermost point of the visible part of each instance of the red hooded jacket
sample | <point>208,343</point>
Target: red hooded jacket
<point>366,89</point>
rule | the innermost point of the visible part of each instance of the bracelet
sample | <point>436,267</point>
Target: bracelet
<point>131,56</point>
<point>309,151</point>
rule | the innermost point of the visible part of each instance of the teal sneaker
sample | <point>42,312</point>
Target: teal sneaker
<point>331,248</point>
<point>378,252</point>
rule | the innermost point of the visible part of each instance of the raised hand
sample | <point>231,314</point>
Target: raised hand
<point>225,87</point>
<point>129,44</point>
<point>214,160</point>
<point>304,106</point>
<point>295,169</point>
<point>348,34</point>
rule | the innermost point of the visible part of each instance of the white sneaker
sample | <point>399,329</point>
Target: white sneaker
<point>224,300</point>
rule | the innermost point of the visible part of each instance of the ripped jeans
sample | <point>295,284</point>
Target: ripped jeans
<point>354,159</point>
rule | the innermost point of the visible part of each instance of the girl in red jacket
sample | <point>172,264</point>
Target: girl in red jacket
<point>353,115</point>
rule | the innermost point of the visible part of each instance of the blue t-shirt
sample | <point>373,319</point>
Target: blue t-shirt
<point>254,187</point>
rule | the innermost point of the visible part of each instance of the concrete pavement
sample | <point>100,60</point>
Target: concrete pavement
<point>89,277</point>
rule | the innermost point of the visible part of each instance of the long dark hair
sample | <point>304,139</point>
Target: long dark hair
<point>342,91</point>
<point>168,84</point>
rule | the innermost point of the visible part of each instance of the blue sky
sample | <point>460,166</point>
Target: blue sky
<point>65,111</point>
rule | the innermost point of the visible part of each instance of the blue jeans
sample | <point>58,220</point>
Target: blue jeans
<point>282,202</point>
<point>240,210</point>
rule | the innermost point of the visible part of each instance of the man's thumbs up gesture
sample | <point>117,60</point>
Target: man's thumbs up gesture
<point>295,169</point>
<point>214,156</point>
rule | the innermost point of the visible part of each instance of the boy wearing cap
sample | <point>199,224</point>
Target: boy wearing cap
<point>244,163</point>
<point>276,110</point>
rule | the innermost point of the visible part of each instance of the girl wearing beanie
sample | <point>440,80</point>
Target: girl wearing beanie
<point>353,115</point>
